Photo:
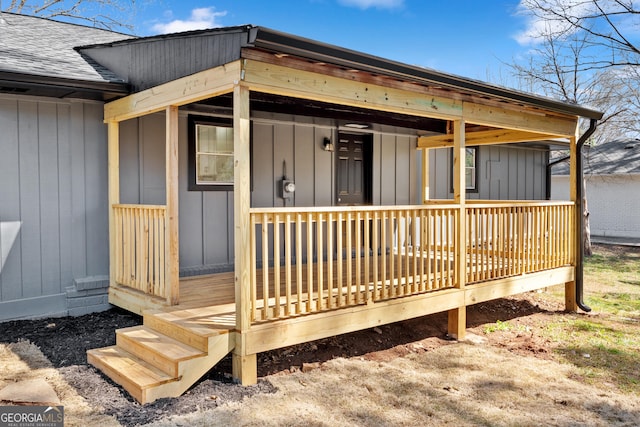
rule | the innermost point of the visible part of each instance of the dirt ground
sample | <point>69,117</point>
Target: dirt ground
<point>64,342</point>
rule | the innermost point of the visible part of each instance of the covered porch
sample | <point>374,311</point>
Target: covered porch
<point>306,272</point>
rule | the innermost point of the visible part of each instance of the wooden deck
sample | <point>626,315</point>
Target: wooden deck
<point>178,344</point>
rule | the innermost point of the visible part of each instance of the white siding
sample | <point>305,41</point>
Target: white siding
<point>613,202</point>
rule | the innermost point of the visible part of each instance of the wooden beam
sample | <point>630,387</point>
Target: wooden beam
<point>296,330</point>
<point>425,176</point>
<point>113,160</point>
<point>508,118</point>
<point>485,137</point>
<point>285,81</point>
<point>458,316</point>
<point>205,84</point>
<point>172,245</point>
<point>501,288</point>
<point>370,77</point>
<point>244,364</point>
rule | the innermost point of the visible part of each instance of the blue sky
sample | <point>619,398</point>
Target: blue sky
<point>471,38</point>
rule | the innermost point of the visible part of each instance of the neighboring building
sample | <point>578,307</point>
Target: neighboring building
<point>262,190</point>
<point>612,177</point>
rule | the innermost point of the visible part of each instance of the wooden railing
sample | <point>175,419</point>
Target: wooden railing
<point>307,260</point>
<point>140,248</point>
<point>512,238</point>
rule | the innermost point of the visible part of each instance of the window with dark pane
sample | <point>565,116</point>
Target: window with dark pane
<point>214,155</point>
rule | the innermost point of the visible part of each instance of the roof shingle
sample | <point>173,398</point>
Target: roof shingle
<point>38,46</point>
<point>610,158</point>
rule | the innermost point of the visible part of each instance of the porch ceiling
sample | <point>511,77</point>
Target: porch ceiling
<point>266,102</point>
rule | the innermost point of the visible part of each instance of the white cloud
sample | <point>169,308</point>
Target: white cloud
<point>379,4</point>
<point>540,22</point>
<point>201,18</point>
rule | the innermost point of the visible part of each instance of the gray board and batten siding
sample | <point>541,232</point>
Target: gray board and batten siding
<point>54,256</point>
<point>293,146</point>
<point>53,192</point>
<point>149,61</point>
<point>505,172</point>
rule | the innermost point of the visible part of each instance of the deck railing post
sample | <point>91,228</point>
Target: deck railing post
<point>244,365</point>
<point>458,316</point>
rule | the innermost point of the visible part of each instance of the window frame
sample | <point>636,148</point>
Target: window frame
<point>475,188</point>
<point>194,121</point>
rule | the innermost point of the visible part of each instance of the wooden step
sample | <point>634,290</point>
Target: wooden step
<point>155,348</point>
<point>133,374</point>
<point>193,326</point>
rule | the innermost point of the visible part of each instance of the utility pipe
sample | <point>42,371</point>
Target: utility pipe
<point>579,194</point>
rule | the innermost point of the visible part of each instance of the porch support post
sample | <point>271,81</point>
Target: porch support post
<point>458,316</point>
<point>113,160</point>
<point>244,365</point>
<point>172,246</point>
<point>425,175</point>
<point>570,302</point>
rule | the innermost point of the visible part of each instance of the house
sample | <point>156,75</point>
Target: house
<point>53,192</point>
<point>266,189</point>
<point>612,179</point>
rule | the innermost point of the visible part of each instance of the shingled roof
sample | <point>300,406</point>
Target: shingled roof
<point>615,157</point>
<point>33,48</point>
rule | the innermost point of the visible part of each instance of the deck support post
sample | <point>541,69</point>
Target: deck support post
<point>458,316</point>
<point>172,246</point>
<point>244,365</point>
<point>571,305</point>
<point>113,129</point>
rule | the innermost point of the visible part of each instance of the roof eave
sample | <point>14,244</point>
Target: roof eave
<point>269,39</point>
<point>107,90</point>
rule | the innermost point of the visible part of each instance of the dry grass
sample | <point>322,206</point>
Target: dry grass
<point>24,361</point>
<point>459,384</point>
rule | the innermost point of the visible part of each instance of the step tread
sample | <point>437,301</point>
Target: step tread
<point>160,343</point>
<point>199,321</point>
<point>121,365</point>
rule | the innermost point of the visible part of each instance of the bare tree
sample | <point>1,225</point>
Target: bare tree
<point>608,24</point>
<point>584,52</point>
<point>108,14</point>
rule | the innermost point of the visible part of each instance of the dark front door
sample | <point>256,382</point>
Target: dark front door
<point>353,169</point>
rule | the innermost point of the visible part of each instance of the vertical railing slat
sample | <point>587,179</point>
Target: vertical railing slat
<point>298,225</point>
<point>287,263</point>
<point>265,266</point>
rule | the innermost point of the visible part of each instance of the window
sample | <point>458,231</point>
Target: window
<point>470,169</point>
<point>210,154</point>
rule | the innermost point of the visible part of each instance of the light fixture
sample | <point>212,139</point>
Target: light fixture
<point>327,145</point>
<point>356,125</point>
